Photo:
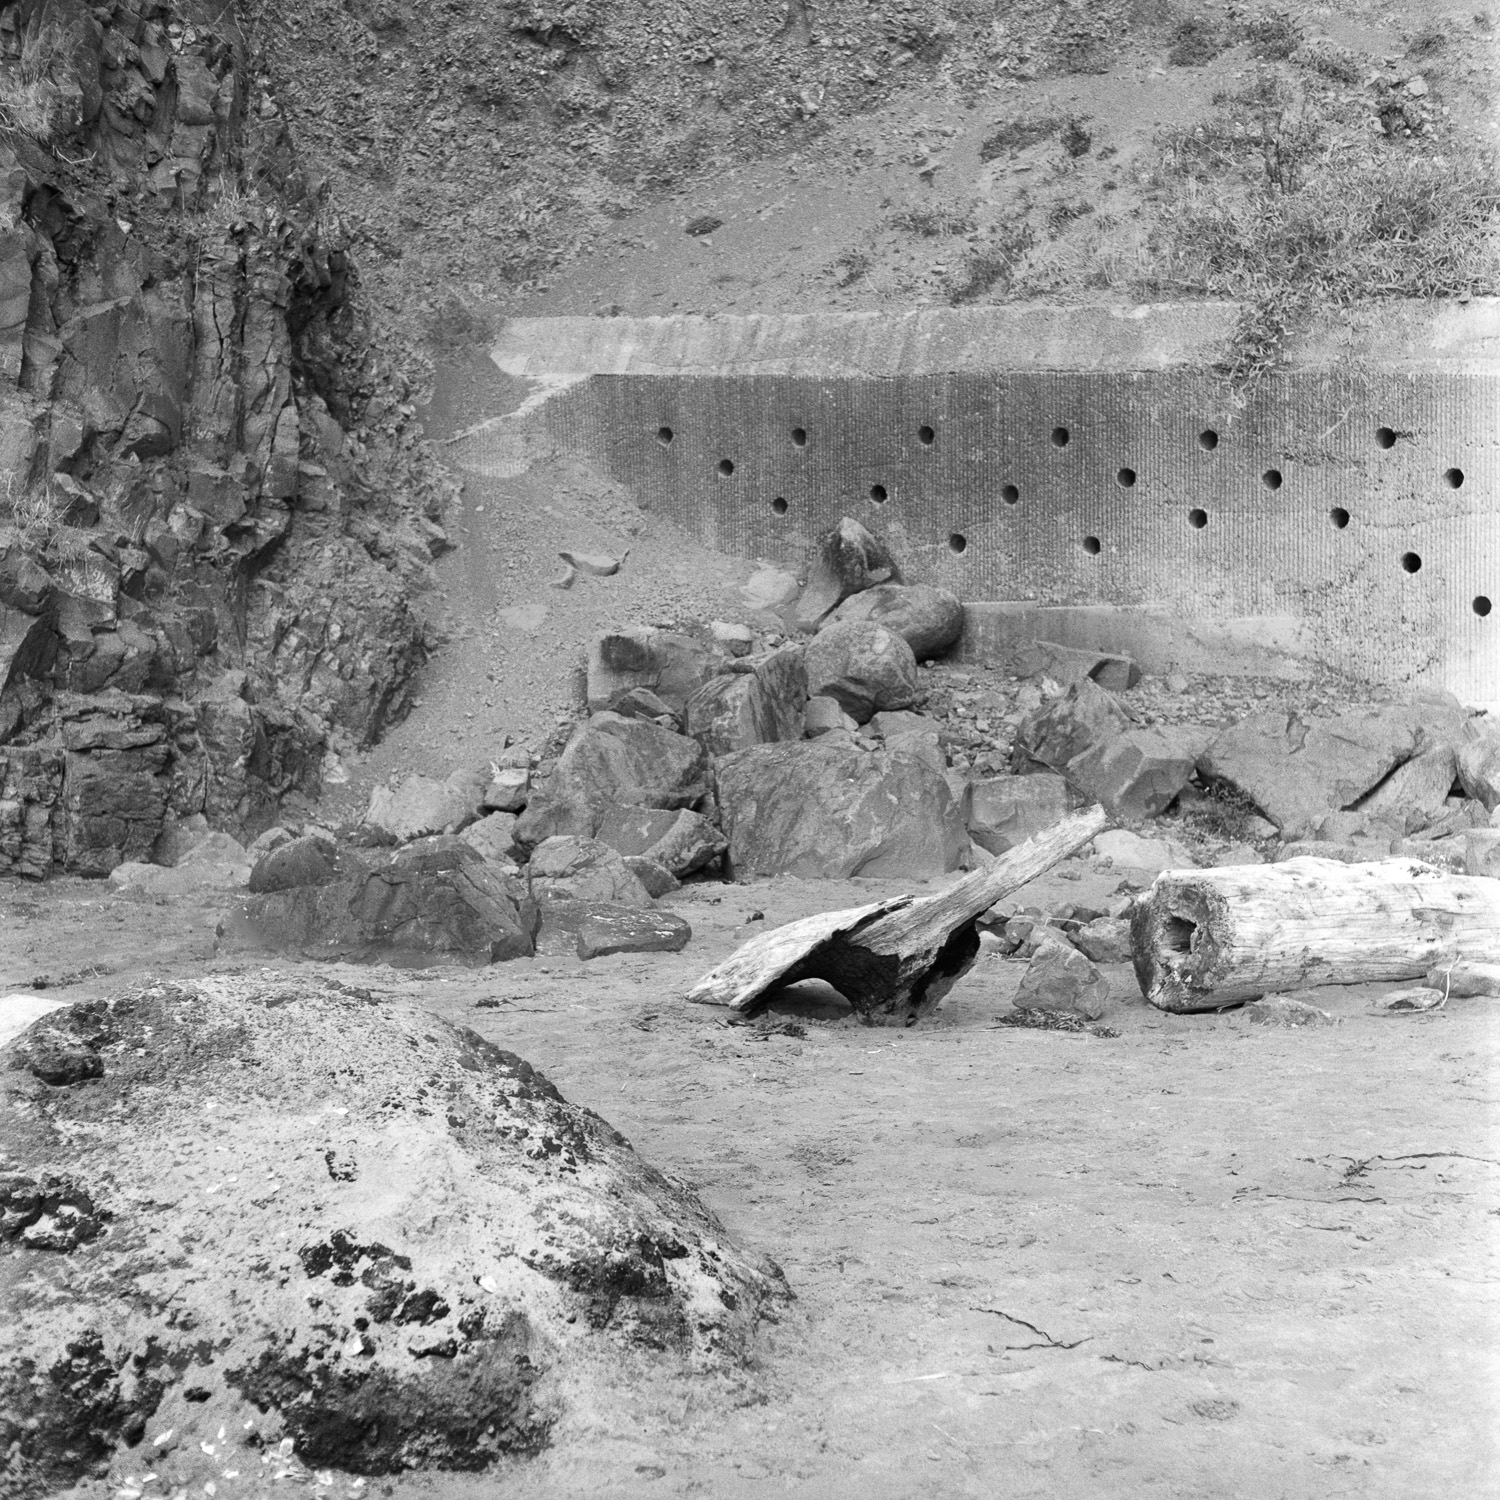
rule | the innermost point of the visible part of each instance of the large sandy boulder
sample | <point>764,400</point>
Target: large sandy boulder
<point>265,1228</point>
<point>826,809</point>
<point>928,619</point>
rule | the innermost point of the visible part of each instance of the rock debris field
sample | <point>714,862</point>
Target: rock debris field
<point>1097,1205</point>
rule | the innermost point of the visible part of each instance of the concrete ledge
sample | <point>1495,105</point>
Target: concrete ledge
<point>1021,337</point>
<point>1001,633</point>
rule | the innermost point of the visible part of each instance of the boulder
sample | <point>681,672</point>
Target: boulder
<point>642,703</point>
<point>584,870</point>
<point>631,762</point>
<point>494,837</point>
<point>928,619</point>
<point>681,841</point>
<point>216,863</point>
<point>1060,978</point>
<point>433,1260</point>
<point>672,666</point>
<point>823,716</point>
<point>433,901</point>
<point>1144,859</point>
<point>293,862</point>
<point>1105,940</point>
<point>1137,774</point>
<point>1478,761</point>
<point>826,809</point>
<point>900,730</point>
<point>751,708</point>
<point>1061,728</point>
<point>1482,852</point>
<point>769,591</point>
<point>1004,811</point>
<point>596,929</point>
<point>1415,794</point>
<point>507,789</point>
<point>614,761</point>
<point>655,876</point>
<point>845,561</point>
<point>863,667</point>
<point>421,805</point>
<point>1294,771</point>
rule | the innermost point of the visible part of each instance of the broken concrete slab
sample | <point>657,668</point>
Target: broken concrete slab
<point>1069,664</point>
<point>863,667</point>
<point>826,809</point>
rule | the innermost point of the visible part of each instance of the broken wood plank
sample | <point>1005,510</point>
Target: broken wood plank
<point>892,960</point>
<point>1207,939</point>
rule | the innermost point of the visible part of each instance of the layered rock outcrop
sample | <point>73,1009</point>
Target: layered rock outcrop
<point>216,513</point>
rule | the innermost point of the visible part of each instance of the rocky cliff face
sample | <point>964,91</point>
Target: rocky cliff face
<point>216,510</point>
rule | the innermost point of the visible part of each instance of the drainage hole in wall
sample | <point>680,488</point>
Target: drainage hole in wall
<point>1453,478</point>
<point>877,493</point>
<point>1126,478</point>
<point>1271,479</point>
<point>1339,516</point>
<point>958,542</point>
<point>1091,545</point>
<point>779,506</point>
<point>1411,561</point>
<point>1197,519</point>
<point>664,435</point>
<point>1482,606</point>
<point>1208,440</point>
<point>1011,495</point>
<point>1060,436</point>
<point>1385,437</point>
<point>926,436</point>
<point>726,467</point>
<point>799,437</point>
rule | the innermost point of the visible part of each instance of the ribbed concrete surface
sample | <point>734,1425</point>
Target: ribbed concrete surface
<point>1081,456</point>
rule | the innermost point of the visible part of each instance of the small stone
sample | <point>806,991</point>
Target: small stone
<point>1060,978</point>
<point>823,715</point>
<point>737,640</point>
<point>596,564</point>
<point>1105,940</point>
<point>1286,1010</point>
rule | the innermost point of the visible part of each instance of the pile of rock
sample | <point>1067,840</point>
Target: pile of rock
<point>733,752</point>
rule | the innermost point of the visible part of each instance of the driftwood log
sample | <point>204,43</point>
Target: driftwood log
<point>892,960</point>
<point>1207,939</point>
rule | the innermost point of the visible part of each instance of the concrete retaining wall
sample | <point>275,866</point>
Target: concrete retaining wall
<point>1348,510</point>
